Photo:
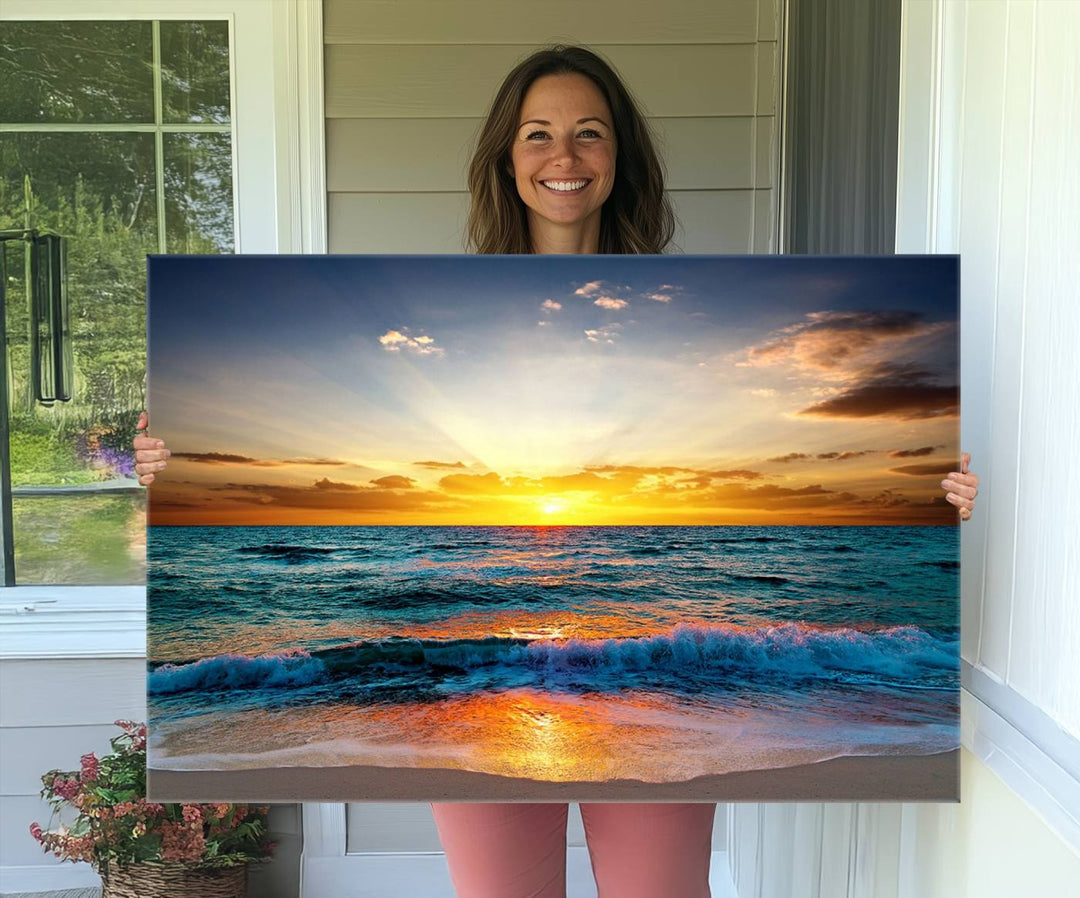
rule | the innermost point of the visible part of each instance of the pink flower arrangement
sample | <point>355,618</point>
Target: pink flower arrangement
<point>117,825</point>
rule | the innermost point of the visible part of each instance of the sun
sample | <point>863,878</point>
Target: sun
<point>552,506</point>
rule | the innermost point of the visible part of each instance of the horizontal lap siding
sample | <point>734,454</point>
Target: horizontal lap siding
<point>408,84</point>
<point>524,22</point>
<point>53,712</point>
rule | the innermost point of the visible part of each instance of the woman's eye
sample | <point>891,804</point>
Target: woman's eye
<point>589,132</point>
<point>536,134</point>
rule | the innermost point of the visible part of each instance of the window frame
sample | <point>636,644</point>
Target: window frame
<point>277,120</point>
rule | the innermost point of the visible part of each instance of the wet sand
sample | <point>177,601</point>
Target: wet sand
<point>879,778</point>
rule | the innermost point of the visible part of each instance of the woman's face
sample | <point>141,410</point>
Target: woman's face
<point>563,154</point>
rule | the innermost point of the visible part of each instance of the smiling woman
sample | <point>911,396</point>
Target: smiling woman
<point>561,117</point>
<point>563,162</point>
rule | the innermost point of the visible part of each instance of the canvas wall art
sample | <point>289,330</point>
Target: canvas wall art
<point>553,528</point>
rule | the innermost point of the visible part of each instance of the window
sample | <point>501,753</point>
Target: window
<point>118,136</point>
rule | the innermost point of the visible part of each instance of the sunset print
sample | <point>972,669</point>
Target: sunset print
<point>494,527</point>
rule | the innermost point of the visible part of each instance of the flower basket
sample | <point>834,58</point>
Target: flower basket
<point>166,880</point>
<point>144,849</point>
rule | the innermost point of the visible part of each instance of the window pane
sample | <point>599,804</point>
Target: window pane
<point>195,71</point>
<point>198,193</point>
<point>81,540</point>
<point>98,191</point>
<point>76,72</point>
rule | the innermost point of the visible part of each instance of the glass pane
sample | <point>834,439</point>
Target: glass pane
<point>81,540</point>
<point>195,71</point>
<point>98,191</point>
<point>76,72</point>
<point>198,193</point>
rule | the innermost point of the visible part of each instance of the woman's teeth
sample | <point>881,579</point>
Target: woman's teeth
<point>564,186</point>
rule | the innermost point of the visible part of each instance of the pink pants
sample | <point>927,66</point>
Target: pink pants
<point>519,850</point>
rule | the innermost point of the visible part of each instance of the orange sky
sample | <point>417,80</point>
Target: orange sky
<point>555,391</point>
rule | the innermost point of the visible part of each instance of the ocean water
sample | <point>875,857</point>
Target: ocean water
<point>555,653</point>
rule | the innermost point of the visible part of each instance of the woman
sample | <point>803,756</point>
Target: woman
<point>565,164</point>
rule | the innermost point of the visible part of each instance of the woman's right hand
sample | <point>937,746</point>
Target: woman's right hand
<point>150,454</point>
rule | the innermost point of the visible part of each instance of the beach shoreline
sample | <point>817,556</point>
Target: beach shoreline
<point>864,778</point>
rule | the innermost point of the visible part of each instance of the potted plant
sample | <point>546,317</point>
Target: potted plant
<point>142,848</point>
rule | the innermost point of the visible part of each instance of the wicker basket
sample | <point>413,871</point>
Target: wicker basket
<point>160,880</point>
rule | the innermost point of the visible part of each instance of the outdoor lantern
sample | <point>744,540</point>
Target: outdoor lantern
<point>51,360</point>
<point>51,355</point>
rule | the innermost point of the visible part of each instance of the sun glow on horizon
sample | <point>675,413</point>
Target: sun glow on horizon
<point>552,506</point>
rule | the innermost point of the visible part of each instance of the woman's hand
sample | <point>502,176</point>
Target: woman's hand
<point>150,454</point>
<point>962,488</point>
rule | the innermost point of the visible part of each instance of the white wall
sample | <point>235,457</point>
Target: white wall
<point>989,150</point>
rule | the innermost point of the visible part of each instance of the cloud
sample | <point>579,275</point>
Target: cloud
<point>395,341</point>
<point>830,341</point>
<point>549,305</point>
<point>926,470</point>
<point>224,458</point>
<point>633,474</point>
<point>326,495</point>
<point>664,293</point>
<point>885,499</point>
<point>844,456</point>
<point>605,334</point>
<point>395,482</point>
<point>791,456</point>
<point>439,464</point>
<point>610,302</point>
<point>472,484</point>
<point>589,289</point>
<point>327,484</point>
<point>771,497</point>
<point>763,392</point>
<point>215,458</point>
<point>603,295</point>
<point>892,391</point>
<point>913,453</point>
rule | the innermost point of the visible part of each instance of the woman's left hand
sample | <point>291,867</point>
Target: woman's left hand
<point>962,488</point>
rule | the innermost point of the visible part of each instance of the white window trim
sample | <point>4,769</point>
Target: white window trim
<point>280,206</point>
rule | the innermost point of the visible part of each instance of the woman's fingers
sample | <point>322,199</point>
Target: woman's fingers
<point>959,501</point>
<point>961,488</point>
<point>963,485</point>
<point>150,454</point>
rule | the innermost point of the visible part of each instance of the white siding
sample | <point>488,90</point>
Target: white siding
<point>407,85</point>
<point>52,713</point>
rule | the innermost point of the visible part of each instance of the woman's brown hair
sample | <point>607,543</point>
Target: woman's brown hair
<point>637,216</point>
